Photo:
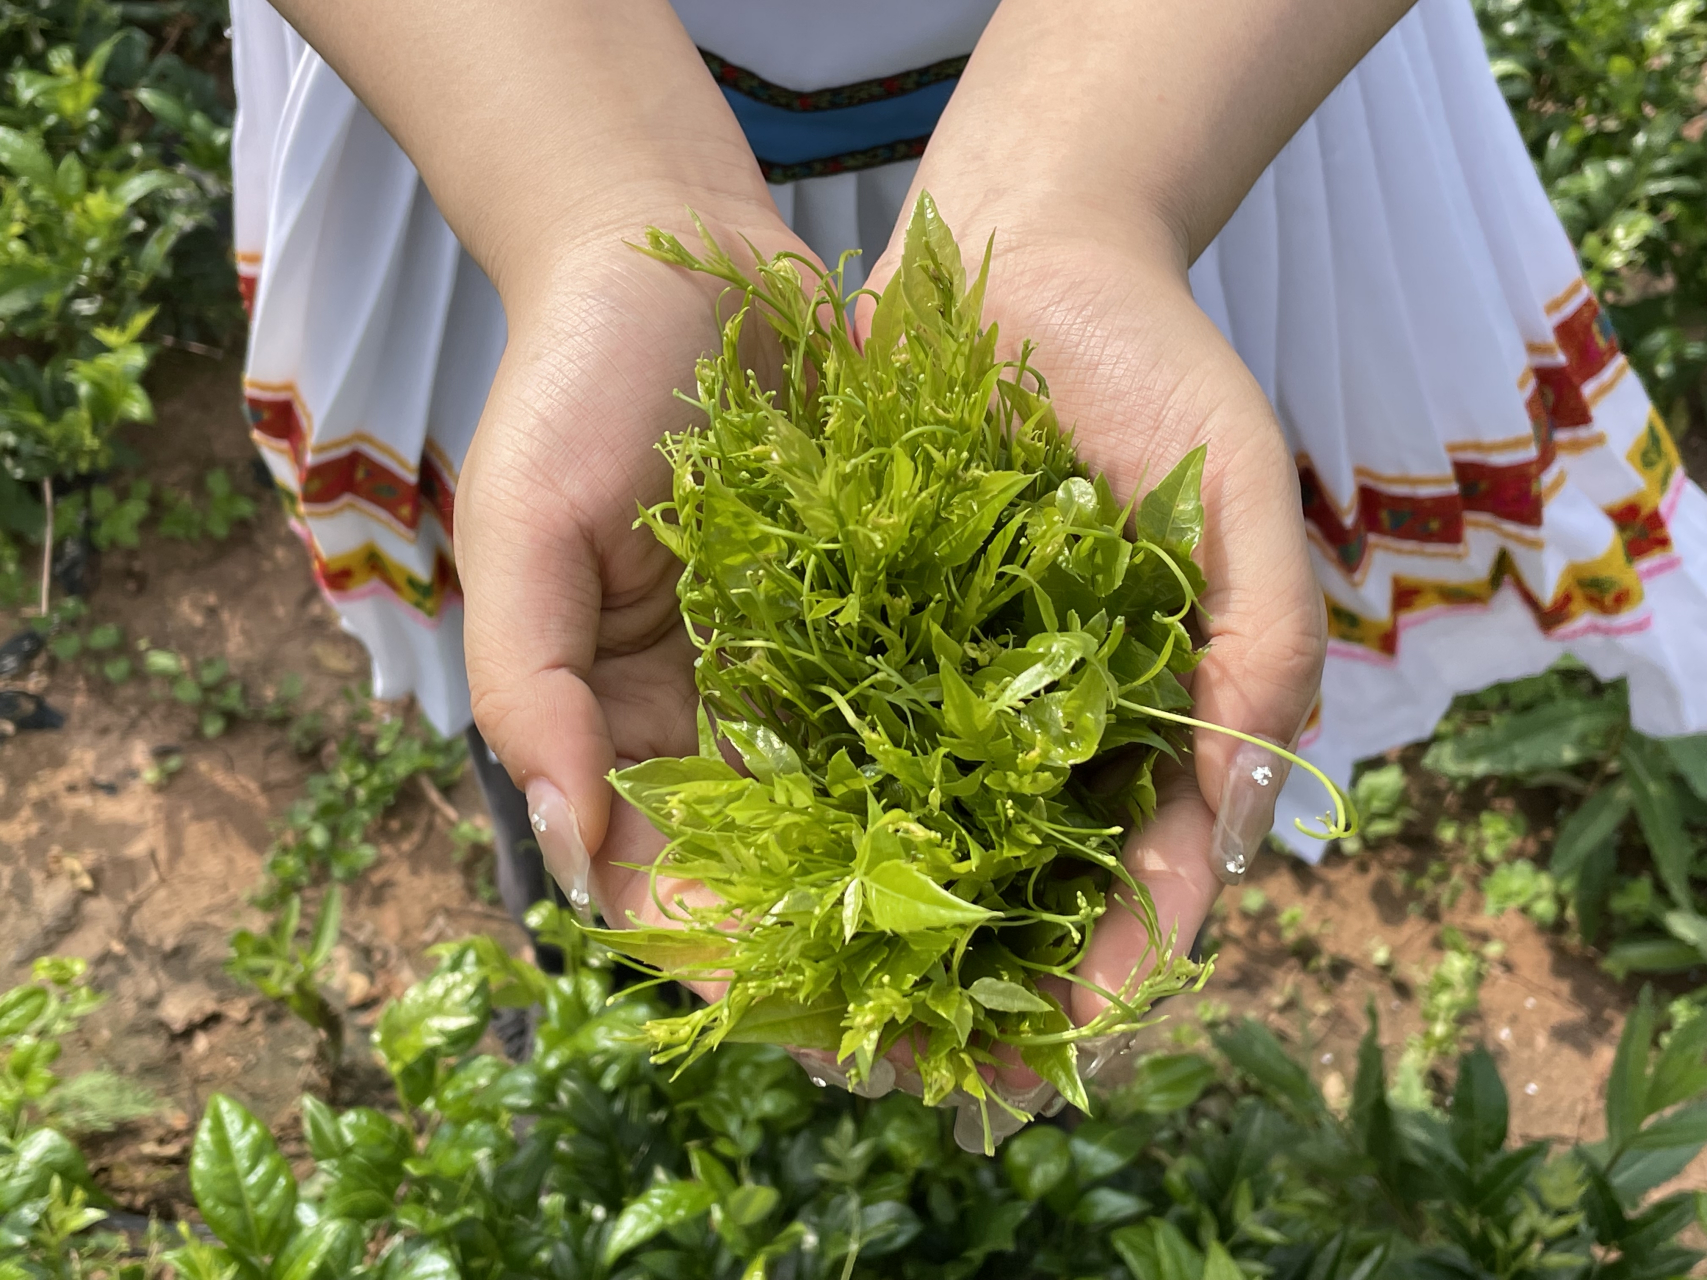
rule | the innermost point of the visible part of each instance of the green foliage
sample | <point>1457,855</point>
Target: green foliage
<point>325,832</point>
<point>1608,95</point>
<point>113,168</point>
<point>1450,995</point>
<point>48,1202</point>
<point>949,661</point>
<point>1626,851</point>
<point>279,969</point>
<point>182,519</point>
<point>589,1162</point>
<point>1378,796</point>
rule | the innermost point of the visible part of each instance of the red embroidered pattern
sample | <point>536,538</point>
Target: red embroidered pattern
<point>353,473</point>
<point>1509,492</point>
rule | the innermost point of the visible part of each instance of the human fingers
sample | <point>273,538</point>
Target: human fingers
<point>574,645</point>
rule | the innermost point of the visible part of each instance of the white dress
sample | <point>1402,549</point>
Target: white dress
<point>1485,484</point>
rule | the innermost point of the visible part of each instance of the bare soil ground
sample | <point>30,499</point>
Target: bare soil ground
<point>147,884</point>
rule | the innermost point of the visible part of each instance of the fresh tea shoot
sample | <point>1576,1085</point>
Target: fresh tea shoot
<point>949,661</point>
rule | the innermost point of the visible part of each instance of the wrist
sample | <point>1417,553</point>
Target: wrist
<point>545,257</point>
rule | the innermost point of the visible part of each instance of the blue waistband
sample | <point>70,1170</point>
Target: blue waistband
<point>798,135</point>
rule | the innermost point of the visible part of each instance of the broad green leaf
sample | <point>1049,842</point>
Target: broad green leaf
<point>328,1250</point>
<point>25,156</point>
<point>442,1016</point>
<point>1164,1083</point>
<point>242,1184</point>
<point>1680,1071</point>
<point>1554,735</point>
<point>1690,928</point>
<point>778,1020</point>
<point>1661,819</point>
<point>1009,997</point>
<point>1651,955</point>
<point>320,1128</point>
<point>1102,1148</point>
<point>1171,514</point>
<point>670,950</point>
<point>1218,1264</point>
<point>900,899</point>
<point>20,1008</point>
<point>325,935</point>
<point>762,748</point>
<point>423,1262</point>
<point>1689,758</point>
<point>1058,1064</point>
<point>1252,1048</point>
<point>973,515</point>
<point>1037,1159</point>
<point>1371,1112</point>
<point>656,1209</point>
<point>1627,1086</point>
<point>1479,1108</point>
<point>751,1204</point>
<point>1156,1250</point>
<point>1593,825</point>
<point>28,1170</point>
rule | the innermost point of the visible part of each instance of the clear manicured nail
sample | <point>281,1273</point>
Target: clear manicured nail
<point>1032,1100</point>
<point>821,1069</point>
<point>1246,811</point>
<point>880,1082</point>
<point>560,841</point>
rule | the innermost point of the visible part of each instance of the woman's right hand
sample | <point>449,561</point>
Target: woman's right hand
<point>578,661</point>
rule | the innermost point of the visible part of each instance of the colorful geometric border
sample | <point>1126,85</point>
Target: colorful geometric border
<point>1429,514</point>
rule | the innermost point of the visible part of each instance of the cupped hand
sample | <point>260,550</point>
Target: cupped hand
<point>1142,376</point>
<point>577,657</point>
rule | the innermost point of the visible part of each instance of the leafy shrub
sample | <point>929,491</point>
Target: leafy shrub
<point>1635,816</point>
<point>588,1162</point>
<point>113,173</point>
<point>1612,101</point>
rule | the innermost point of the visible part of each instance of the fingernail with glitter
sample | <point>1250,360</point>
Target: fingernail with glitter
<point>1246,811</point>
<point>820,1068</point>
<point>559,837</point>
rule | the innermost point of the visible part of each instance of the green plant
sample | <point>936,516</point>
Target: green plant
<point>325,832</point>
<point>949,660</point>
<point>181,518</point>
<point>1378,795</point>
<point>1451,993</point>
<point>1565,731</point>
<point>589,1162</point>
<point>1608,94</point>
<point>112,166</point>
<point>281,970</point>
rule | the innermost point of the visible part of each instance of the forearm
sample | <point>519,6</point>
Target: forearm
<point>539,122</point>
<point>1109,113</point>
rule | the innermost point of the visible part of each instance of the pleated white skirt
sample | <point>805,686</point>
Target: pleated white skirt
<point>1485,484</point>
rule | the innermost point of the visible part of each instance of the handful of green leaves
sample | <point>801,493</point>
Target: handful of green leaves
<point>949,662</point>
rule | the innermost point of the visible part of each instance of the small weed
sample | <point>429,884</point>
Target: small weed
<point>325,833</point>
<point>279,969</point>
<point>1451,994</point>
<point>182,519</point>
<point>1379,794</point>
<point>1253,902</point>
<point>162,769</point>
<point>1523,886</point>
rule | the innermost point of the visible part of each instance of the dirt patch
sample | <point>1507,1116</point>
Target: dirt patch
<point>148,883</point>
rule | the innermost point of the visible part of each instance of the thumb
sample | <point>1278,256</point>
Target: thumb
<point>571,632</point>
